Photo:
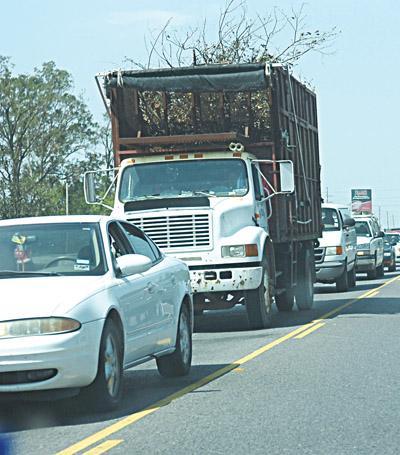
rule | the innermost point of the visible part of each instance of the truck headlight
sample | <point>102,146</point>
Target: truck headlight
<point>239,251</point>
<point>37,326</point>
<point>334,250</point>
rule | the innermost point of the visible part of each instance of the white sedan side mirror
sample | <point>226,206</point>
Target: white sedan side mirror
<point>130,264</point>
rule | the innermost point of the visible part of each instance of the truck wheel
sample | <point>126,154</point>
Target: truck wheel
<point>352,277</point>
<point>305,281</point>
<point>178,363</point>
<point>380,271</point>
<point>259,302</point>
<point>285,301</point>
<point>372,274</point>
<point>342,283</point>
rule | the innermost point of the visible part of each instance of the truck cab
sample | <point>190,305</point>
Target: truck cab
<point>369,246</point>
<point>206,209</point>
<point>335,256</point>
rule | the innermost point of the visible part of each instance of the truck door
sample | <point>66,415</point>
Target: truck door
<point>261,213</point>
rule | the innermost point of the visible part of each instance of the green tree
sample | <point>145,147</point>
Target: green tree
<point>45,132</point>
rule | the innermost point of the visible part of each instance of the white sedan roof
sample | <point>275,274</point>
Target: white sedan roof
<point>55,219</point>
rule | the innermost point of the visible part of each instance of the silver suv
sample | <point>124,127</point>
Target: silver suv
<point>369,246</point>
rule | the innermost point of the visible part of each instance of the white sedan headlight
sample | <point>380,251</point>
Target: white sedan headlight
<point>33,327</point>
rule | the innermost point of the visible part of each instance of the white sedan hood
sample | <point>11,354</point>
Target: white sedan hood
<point>32,297</point>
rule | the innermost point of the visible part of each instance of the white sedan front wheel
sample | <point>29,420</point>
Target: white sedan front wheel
<point>178,363</point>
<point>105,392</point>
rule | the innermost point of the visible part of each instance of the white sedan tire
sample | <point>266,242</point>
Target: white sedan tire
<point>178,363</point>
<point>104,394</point>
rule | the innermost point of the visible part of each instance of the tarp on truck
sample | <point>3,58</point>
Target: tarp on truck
<point>195,79</point>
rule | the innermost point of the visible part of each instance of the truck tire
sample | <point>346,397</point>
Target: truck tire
<point>372,274</point>
<point>352,277</point>
<point>259,302</point>
<point>392,268</point>
<point>305,280</point>
<point>342,282</point>
<point>285,301</point>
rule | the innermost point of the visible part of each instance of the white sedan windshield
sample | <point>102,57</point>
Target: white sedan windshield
<point>54,249</point>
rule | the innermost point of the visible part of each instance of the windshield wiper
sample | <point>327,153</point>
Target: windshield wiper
<point>204,193</point>
<point>14,274</point>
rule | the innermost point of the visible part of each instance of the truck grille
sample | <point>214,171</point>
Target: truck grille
<point>177,231</point>
<point>319,254</point>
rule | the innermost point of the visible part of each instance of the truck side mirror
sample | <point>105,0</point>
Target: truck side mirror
<point>349,222</point>
<point>380,234</point>
<point>89,188</point>
<point>286,173</point>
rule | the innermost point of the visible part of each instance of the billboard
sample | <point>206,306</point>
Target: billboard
<point>361,201</point>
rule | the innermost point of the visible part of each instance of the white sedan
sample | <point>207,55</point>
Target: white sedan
<point>82,299</point>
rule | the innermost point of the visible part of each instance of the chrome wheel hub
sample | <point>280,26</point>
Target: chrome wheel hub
<point>184,337</point>
<point>267,297</point>
<point>111,366</point>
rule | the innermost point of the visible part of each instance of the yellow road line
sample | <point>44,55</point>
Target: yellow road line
<point>373,294</point>
<point>104,447</point>
<point>130,419</point>
<point>310,330</point>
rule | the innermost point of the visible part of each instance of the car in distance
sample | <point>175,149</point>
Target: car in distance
<point>335,256</point>
<point>83,298</point>
<point>389,256</point>
<point>394,239</point>
<point>369,246</point>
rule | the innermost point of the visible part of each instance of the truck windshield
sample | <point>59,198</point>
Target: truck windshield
<point>212,177</point>
<point>362,229</point>
<point>330,219</point>
<point>51,249</point>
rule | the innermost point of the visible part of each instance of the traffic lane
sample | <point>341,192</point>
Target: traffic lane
<point>333,391</point>
<point>66,422</point>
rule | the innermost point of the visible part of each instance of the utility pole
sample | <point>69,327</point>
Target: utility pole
<point>393,224</point>
<point>387,219</point>
<point>66,198</point>
<point>379,215</point>
<point>327,195</point>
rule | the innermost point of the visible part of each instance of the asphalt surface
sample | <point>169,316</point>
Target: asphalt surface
<point>324,381</point>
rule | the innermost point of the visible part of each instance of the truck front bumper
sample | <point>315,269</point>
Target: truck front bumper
<point>329,272</point>
<point>225,278</point>
<point>365,263</point>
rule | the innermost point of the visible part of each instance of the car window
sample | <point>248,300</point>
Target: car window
<point>60,248</point>
<point>330,219</point>
<point>363,229</point>
<point>119,245</point>
<point>139,242</point>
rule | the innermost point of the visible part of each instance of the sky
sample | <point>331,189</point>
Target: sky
<point>356,83</point>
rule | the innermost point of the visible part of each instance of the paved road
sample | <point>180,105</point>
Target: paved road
<point>323,381</point>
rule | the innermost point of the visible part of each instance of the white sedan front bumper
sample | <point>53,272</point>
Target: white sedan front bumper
<point>74,357</point>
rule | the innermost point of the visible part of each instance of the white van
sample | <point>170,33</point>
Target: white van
<point>335,257</point>
<point>369,246</point>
